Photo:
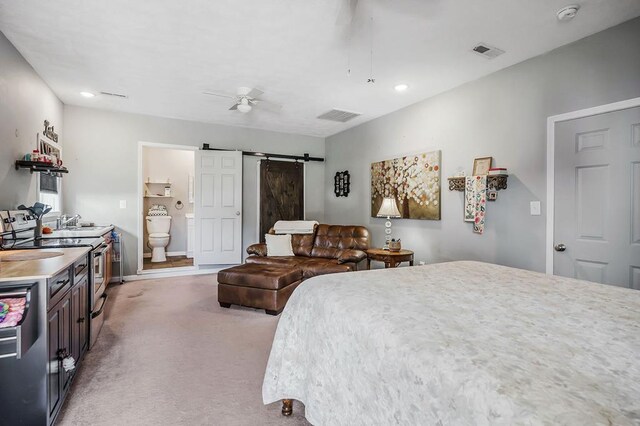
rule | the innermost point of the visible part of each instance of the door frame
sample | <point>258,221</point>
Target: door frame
<point>304,193</point>
<point>551,128</point>
<point>140,207</point>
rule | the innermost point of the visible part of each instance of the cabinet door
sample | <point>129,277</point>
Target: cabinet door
<point>81,324</point>
<point>75,326</point>
<point>65,337</point>
<point>54,366</point>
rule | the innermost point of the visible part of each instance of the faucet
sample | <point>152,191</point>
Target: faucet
<point>64,219</point>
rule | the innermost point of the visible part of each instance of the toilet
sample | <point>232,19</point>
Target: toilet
<point>158,229</point>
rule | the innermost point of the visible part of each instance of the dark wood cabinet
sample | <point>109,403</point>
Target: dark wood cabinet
<point>53,364</point>
<point>59,335</point>
<point>80,317</point>
<point>67,334</point>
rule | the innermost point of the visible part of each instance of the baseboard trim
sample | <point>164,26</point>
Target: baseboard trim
<point>174,272</point>
<point>169,253</point>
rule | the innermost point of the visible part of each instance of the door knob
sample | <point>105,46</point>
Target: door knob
<point>237,213</point>
<point>560,247</point>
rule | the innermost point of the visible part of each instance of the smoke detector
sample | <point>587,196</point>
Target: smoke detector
<point>567,13</point>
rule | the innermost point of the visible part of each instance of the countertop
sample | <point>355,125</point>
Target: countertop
<point>94,231</point>
<point>21,270</point>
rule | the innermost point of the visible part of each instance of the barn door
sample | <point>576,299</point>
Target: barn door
<point>281,193</point>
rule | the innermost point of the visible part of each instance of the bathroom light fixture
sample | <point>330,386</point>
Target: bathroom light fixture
<point>401,87</point>
<point>87,94</point>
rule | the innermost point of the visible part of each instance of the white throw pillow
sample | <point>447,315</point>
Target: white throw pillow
<point>278,245</point>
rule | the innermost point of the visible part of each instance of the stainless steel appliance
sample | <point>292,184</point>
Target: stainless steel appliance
<point>17,227</point>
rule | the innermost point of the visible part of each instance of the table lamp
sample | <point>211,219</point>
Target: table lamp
<point>388,209</point>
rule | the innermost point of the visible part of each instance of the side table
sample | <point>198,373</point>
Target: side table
<point>391,259</point>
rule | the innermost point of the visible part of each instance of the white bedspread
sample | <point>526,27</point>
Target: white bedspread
<point>460,343</point>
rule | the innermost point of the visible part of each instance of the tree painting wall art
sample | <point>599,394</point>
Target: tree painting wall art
<point>413,180</point>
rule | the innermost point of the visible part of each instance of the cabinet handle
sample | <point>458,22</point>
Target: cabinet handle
<point>81,320</point>
<point>80,268</point>
<point>63,282</point>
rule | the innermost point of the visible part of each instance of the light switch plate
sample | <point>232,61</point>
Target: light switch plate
<point>123,204</point>
<point>534,206</point>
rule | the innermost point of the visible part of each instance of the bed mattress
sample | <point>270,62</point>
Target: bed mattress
<point>459,343</point>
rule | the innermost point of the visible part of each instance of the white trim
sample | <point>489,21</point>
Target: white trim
<point>140,185</point>
<point>258,164</point>
<point>169,253</point>
<point>174,272</point>
<point>551,125</point>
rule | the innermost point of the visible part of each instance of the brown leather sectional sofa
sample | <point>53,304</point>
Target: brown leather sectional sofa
<point>331,249</point>
<point>265,282</point>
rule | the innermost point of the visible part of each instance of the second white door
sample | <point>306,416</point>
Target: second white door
<point>597,198</point>
<point>218,207</point>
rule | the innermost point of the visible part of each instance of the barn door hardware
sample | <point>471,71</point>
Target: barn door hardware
<point>305,157</point>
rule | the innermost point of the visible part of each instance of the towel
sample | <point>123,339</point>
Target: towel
<point>294,226</point>
<point>475,200</point>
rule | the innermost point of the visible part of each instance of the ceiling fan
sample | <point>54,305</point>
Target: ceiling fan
<point>246,98</point>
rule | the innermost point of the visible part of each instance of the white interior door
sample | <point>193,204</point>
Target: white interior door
<point>218,207</point>
<point>597,198</point>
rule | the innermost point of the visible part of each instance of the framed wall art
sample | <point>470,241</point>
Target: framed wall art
<point>414,181</point>
<point>481,166</point>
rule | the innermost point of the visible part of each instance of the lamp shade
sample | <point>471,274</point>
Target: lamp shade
<point>389,208</point>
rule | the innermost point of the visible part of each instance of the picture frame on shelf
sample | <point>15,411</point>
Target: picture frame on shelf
<point>481,166</point>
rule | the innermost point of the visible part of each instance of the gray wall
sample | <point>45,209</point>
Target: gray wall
<point>502,115</point>
<point>25,102</point>
<point>101,149</point>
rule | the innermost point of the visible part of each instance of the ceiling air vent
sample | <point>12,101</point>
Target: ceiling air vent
<point>117,95</point>
<point>339,115</point>
<point>489,52</point>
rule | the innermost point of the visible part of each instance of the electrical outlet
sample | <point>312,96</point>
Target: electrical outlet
<point>123,204</point>
<point>534,207</point>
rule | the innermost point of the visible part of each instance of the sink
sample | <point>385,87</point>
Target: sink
<point>14,256</point>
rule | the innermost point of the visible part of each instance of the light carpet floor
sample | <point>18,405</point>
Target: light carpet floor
<point>169,354</point>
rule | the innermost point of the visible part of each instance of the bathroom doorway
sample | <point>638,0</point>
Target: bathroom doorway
<point>166,205</point>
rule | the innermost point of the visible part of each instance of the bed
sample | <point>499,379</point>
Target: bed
<point>459,343</point>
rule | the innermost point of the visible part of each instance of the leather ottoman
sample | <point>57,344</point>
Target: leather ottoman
<point>265,287</point>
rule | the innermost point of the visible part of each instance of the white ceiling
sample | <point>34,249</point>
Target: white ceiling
<point>164,54</point>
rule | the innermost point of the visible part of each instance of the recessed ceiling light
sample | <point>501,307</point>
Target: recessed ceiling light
<point>87,94</point>
<point>401,87</point>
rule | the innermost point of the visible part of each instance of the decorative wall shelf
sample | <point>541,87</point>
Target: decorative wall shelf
<point>36,166</point>
<point>494,183</point>
<point>158,196</point>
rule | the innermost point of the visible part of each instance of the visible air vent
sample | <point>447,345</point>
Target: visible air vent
<point>487,51</point>
<point>117,95</point>
<point>339,115</point>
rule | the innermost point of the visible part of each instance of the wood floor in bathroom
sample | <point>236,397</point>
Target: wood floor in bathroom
<point>172,262</point>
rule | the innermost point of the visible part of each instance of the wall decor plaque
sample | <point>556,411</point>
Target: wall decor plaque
<point>342,183</point>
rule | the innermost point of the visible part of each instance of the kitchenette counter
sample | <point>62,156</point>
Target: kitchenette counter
<point>12,269</point>
<point>80,232</point>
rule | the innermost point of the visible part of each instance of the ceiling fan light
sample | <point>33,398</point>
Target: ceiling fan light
<point>244,108</point>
